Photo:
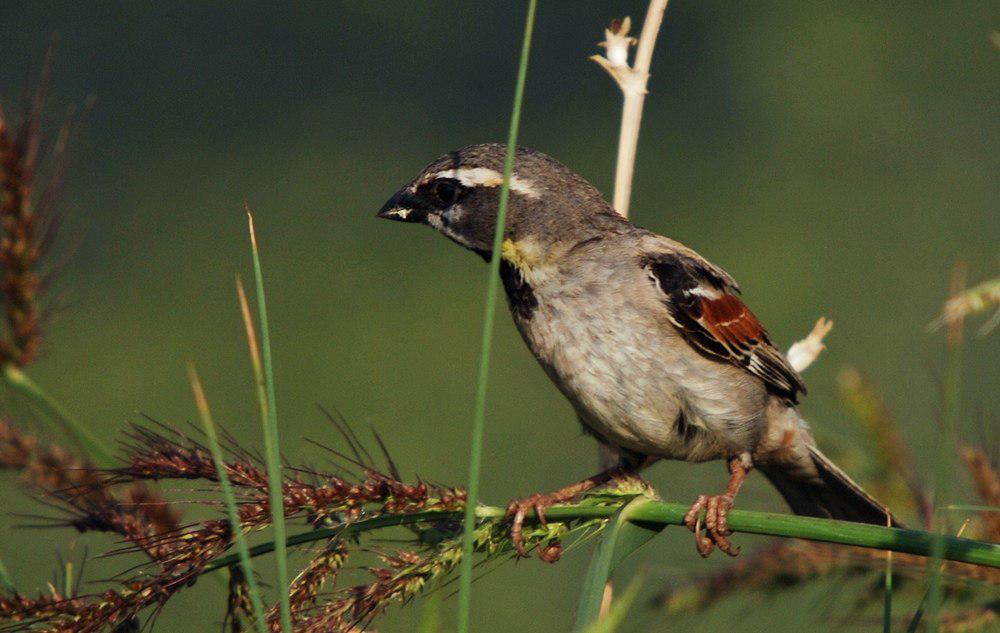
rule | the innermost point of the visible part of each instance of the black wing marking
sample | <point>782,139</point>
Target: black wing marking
<point>702,303</point>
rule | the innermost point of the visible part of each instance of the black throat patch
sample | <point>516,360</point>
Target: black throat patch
<point>520,296</point>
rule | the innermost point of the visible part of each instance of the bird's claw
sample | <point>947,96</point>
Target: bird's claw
<point>716,524</point>
<point>540,503</point>
<point>516,512</point>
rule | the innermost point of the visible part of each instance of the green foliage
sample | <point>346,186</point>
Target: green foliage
<point>593,512</point>
<point>264,374</point>
<point>887,600</point>
<point>5,579</point>
<point>619,609</point>
<point>229,497</point>
<point>24,385</point>
<point>621,537</point>
<point>430,616</point>
<point>486,345</point>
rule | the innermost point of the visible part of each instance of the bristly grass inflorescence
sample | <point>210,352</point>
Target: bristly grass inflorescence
<point>335,508</point>
<point>25,233</point>
<point>119,501</point>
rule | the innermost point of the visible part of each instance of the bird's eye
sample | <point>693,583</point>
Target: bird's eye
<point>446,191</point>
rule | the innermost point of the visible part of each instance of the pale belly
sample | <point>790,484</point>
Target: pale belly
<point>636,385</point>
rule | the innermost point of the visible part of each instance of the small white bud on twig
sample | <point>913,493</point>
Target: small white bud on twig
<point>616,43</point>
<point>632,81</point>
<point>803,353</point>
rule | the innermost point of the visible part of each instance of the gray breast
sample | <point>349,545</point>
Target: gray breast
<point>604,338</point>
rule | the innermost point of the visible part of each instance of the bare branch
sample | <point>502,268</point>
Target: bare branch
<point>632,80</point>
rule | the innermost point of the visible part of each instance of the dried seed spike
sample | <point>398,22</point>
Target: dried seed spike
<point>393,470</point>
<point>253,233</point>
<point>352,440</point>
<point>248,323</point>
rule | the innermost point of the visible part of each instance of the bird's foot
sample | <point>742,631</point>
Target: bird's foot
<point>716,524</point>
<point>717,507</point>
<point>518,509</point>
<point>516,512</point>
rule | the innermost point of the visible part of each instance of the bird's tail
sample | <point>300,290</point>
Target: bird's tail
<point>831,495</point>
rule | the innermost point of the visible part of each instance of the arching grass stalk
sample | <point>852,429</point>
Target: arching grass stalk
<point>22,384</point>
<point>259,611</point>
<point>936,582</point>
<point>6,582</point>
<point>479,414</point>
<point>887,597</point>
<point>619,609</point>
<point>660,513</point>
<point>621,537</point>
<point>260,359</point>
<point>952,390</point>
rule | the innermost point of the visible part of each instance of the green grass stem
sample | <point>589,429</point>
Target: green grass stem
<point>936,556</point>
<point>619,609</point>
<point>489,316</point>
<point>952,396</point>
<point>430,617</point>
<point>887,601</point>
<point>621,537</point>
<point>264,375</point>
<point>24,385</point>
<point>6,580</point>
<point>917,542</point>
<point>68,587</point>
<point>242,548</point>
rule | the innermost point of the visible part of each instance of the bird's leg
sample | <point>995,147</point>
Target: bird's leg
<point>540,503</point>
<point>717,509</point>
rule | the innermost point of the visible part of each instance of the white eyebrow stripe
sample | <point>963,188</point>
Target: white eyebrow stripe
<point>485,177</point>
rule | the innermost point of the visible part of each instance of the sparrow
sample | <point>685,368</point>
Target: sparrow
<point>649,341</point>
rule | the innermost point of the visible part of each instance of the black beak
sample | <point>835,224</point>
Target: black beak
<point>405,207</point>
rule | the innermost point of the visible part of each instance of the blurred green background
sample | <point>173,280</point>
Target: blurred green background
<point>836,158</point>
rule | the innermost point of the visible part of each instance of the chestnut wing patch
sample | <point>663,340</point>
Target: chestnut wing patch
<point>702,303</point>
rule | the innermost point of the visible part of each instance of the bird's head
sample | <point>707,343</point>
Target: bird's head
<point>459,195</point>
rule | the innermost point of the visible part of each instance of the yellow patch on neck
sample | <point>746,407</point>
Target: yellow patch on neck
<point>524,255</point>
<point>536,263</point>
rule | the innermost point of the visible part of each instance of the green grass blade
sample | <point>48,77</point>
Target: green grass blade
<point>79,433</point>
<point>230,499</point>
<point>887,602</point>
<point>479,415</point>
<point>430,618</point>
<point>619,609</point>
<point>272,451</point>
<point>952,405</point>
<point>937,554</point>
<point>621,537</point>
<point>6,581</point>
<point>918,615</point>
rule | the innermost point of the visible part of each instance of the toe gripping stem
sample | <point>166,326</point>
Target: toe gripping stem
<point>716,508</point>
<point>540,503</point>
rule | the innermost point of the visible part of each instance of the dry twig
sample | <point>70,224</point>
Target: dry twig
<point>632,80</point>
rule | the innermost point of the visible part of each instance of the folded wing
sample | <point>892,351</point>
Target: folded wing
<point>702,302</point>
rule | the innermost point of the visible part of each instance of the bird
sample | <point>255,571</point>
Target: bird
<point>650,342</point>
